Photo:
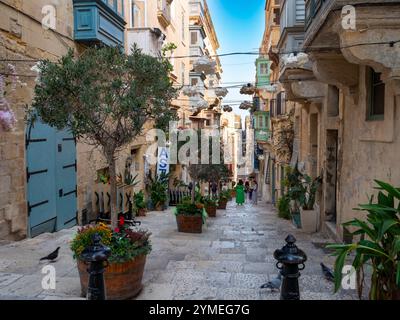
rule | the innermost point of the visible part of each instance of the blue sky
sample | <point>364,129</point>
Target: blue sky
<point>239,25</point>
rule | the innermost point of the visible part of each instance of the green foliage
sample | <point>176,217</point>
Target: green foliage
<point>158,187</point>
<point>210,201</point>
<point>125,244</point>
<point>138,200</point>
<point>188,208</point>
<point>303,189</point>
<point>224,195</point>
<point>284,207</point>
<point>104,95</point>
<point>379,245</point>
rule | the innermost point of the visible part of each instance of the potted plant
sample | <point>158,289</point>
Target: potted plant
<point>157,188</point>
<point>223,200</point>
<point>210,204</point>
<point>284,207</point>
<point>105,97</point>
<point>189,217</point>
<point>309,211</point>
<point>378,246</point>
<point>139,204</point>
<point>124,272</point>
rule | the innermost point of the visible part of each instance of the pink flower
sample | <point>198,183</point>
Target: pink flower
<point>117,230</point>
<point>7,120</point>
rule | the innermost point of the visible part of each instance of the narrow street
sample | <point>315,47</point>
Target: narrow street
<point>228,261</point>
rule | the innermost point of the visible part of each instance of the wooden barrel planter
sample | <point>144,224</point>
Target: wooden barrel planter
<point>211,211</point>
<point>222,204</point>
<point>189,223</point>
<point>141,212</point>
<point>122,280</point>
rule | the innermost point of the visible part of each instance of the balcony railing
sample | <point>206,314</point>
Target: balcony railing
<point>99,21</point>
<point>164,12</point>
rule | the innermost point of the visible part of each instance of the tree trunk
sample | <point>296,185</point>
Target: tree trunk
<point>194,190</point>
<point>113,191</point>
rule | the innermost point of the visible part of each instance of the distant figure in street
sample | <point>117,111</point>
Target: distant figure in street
<point>214,189</point>
<point>239,193</point>
<point>190,186</point>
<point>249,190</point>
<point>254,188</point>
<point>224,187</point>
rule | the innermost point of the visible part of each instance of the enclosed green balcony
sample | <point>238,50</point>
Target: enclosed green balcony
<point>99,21</point>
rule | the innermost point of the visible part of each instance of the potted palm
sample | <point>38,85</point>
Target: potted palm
<point>223,200</point>
<point>378,246</point>
<point>139,204</point>
<point>210,204</point>
<point>157,188</point>
<point>124,272</point>
<point>304,193</point>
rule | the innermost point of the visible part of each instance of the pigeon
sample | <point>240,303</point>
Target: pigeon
<point>327,273</point>
<point>52,256</point>
<point>274,284</point>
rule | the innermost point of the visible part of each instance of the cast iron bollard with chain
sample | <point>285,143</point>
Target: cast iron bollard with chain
<point>289,258</point>
<point>97,256</point>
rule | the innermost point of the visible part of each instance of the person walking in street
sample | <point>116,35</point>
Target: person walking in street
<point>249,190</point>
<point>214,189</point>
<point>239,193</point>
<point>246,189</point>
<point>254,188</point>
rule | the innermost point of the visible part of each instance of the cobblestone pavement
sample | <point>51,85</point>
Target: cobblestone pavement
<point>229,260</point>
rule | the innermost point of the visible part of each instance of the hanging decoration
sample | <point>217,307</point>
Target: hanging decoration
<point>227,108</point>
<point>293,60</point>
<point>190,91</point>
<point>221,92</point>
<point>205,64</point>
<point>246,105</point>
<point>248,89</point>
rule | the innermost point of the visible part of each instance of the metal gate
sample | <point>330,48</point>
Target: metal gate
<point>51,179</point>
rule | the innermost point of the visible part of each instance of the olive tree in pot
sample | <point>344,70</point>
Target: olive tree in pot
<point>104,97</point>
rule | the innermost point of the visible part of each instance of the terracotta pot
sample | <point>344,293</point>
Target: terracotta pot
<point>233,193</point>
<point>141,212</point>
<point>222,204</point>
<point>160,207</point>
<point>189,224</point>
<point>122,280</point>
<point>211,211</point>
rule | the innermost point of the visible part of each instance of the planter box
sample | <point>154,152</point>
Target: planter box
<point>122,280</point>
<point>222,204</point>
<point>141,212</point>
<point>189,223</point>
<point>309,220</point>
<point>211,211</point>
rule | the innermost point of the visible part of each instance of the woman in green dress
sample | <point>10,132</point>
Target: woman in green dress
<point>240,193</point>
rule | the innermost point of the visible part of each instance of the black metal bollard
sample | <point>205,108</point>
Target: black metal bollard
<point>290,257</point>
<point>96,255</point>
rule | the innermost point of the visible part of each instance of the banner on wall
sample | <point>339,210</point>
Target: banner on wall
<point>163,161</point>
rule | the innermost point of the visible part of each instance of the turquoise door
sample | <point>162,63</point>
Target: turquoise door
<point>51,179</point>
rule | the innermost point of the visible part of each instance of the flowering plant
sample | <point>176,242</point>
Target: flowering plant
<point>125,243</point>
<point>7,116</point>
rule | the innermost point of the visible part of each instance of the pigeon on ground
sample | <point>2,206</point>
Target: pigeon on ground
<point>327,273</point>
<point>274,284</point>
<point>52,256</point>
